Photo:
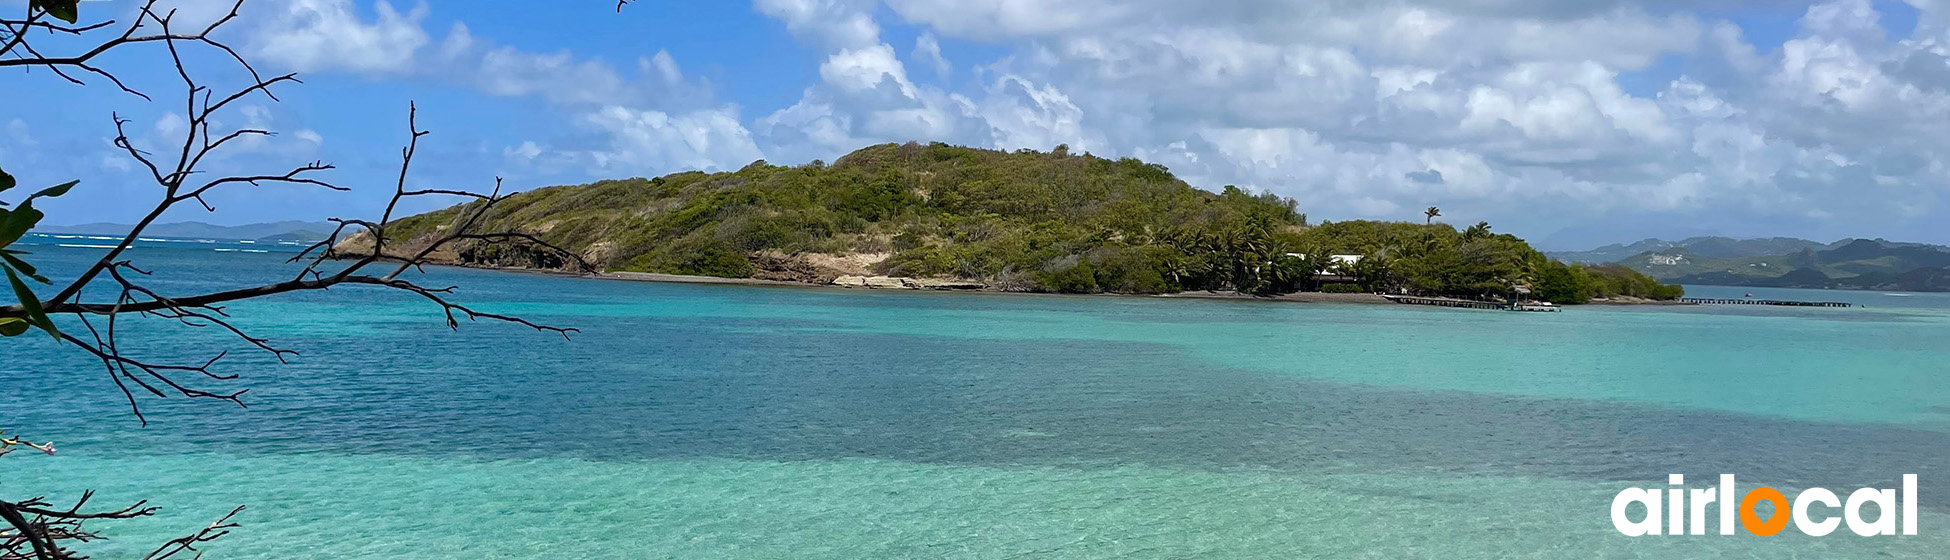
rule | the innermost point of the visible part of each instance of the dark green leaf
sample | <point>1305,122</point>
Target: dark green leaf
<point>17,222</point>
<point>54,191</point>
<point>32,304</point>
<point>64,10</point>
<point>22,266</point>
<point>6,181</point>
<point>12,327</point>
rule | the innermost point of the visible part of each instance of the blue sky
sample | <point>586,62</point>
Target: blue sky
<point>1570,122</point>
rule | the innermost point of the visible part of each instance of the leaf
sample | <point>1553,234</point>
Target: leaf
<point>32,304</point>
<point>64,10</point>
<point>13,327</point>
<point>6,181</point>
<point>22,266</point>
<point>16,223</point>
<point>54,191</point>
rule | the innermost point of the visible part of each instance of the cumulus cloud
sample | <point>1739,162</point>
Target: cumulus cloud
<point>1367,108</point>
<point>864,96</point>
<point>928,49</point>
<point>314,35</point>
<point>704,140</point>
<point>171,127</point>
<point>1515,111</point>
<point>831,24</point>
<point>645,118</point>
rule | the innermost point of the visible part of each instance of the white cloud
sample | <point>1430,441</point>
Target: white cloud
<point>630,115</point>
<point>1024,115</point>
<point>309,136</point>
<point>314,35</point>
<point>17,133</point>
<point>15,142</point>
<point>928,49</point>
<point>170,124</point>
<point>866,68</point>
<point>527,151</point>
<point>1516,111</point>
<point>649,141</point>
<point>833,24</point>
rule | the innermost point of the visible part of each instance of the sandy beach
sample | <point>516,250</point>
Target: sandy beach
<point>1314,297</point>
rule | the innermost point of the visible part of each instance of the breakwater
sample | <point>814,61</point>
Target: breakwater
<point>1704,301</point>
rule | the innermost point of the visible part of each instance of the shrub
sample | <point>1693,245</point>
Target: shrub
<point>697,256</point>
<point>1069,276</point>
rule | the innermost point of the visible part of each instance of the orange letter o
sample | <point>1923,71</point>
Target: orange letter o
<point>1751,520</point>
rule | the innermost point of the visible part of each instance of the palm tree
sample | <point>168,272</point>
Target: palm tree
<point>1432,214</point>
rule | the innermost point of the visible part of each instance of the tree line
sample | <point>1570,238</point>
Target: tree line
<point>1023,220</point>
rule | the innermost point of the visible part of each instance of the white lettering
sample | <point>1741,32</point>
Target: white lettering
<point>1801,506</point>
<point>1649,498</point>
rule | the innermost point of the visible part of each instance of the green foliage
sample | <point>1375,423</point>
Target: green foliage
<point>1565,284</point>
<point>1067,223</point>
<point>64,10</point>
<point>1575,284</point>
<point>698,256</point>
<point>1073,277</point>
<point>1051,222</point>
<point>1612,280</point>
<point>15,223</point>
<point>1343,289</point>
<point>1437,260</point>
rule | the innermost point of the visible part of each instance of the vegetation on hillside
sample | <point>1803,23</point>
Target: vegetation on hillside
<point>1436,259</point>
<point>1023,220</point>
<point>1859,264</point>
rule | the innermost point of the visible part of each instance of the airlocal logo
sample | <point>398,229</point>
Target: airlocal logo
<point>1802,511</point>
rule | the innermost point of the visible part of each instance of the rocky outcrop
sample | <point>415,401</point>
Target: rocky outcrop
<point>813,268</point>
<point>900,283</point>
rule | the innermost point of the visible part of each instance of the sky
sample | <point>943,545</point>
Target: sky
<point>1573,123</point>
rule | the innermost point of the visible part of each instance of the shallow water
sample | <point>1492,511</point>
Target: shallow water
<point>724,421</point>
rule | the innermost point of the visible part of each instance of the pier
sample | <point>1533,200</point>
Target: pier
<point>1704,301</point>
<point>1472,304</point>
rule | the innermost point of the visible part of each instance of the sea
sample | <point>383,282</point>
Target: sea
<point>708,421</point>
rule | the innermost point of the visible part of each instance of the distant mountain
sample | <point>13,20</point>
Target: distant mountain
<point>1849,264</point>
<point>300,236</point>
<point>199,230</point>
<point>1711,247</point>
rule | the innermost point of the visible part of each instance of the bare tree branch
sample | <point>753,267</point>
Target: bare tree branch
<point>35,529</point>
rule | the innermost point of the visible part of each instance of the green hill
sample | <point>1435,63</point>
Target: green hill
<point>1714,247</point>
<point>1860,264</point>
<point>1024,220</point>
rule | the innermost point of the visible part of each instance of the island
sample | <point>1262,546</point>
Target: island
<point>936,216</point>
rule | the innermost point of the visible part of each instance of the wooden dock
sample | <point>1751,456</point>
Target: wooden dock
<point>1704,301</point>
<point>1472,304</point>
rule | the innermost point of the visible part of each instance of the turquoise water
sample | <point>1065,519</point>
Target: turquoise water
<point>744,422</point>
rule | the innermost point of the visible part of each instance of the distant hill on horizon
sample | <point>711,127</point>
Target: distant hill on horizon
<point>1850,264</point>
<point>1706,246</point>
<point>291,229</point>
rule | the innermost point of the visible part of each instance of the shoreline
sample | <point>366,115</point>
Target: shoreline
<point>652,277</point>
<point>1302,297</point>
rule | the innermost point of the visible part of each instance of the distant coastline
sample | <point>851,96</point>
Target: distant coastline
<point>1297,297</point>
<point>1848,264</point>
<point>1303,297</point>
